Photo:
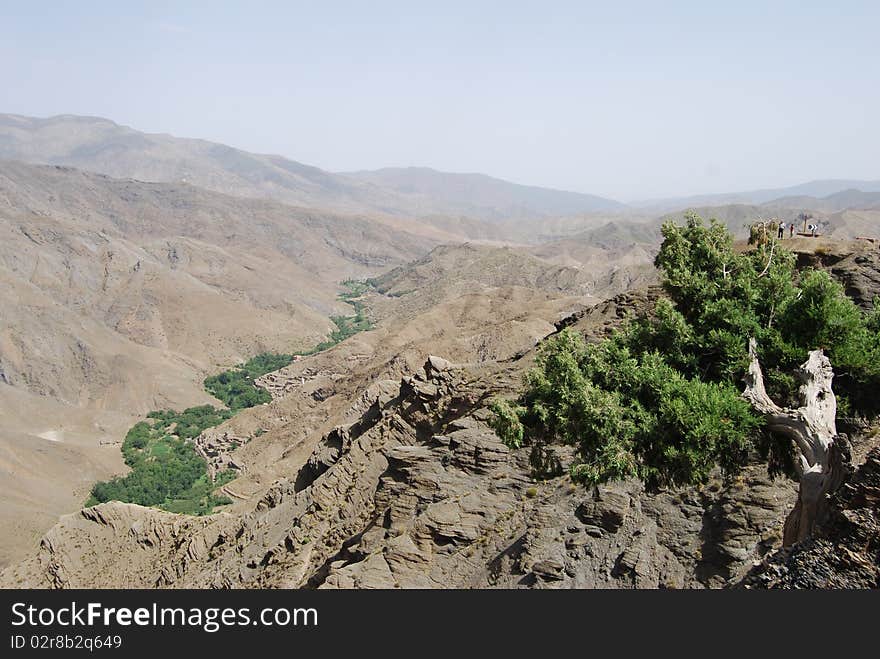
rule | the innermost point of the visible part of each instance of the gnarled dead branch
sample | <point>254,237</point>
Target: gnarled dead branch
<point>813,429</point>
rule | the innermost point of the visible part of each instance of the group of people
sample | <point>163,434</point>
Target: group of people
<point>781,233</point>
<point>811,230</point>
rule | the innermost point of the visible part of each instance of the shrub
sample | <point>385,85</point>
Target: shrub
<point>507,424</point>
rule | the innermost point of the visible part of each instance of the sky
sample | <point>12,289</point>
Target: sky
<point>630,100</point>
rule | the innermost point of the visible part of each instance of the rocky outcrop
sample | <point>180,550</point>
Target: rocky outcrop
<point>420,492</point>
<point>459,510</point>
<point>599,320</point>
<point>855,264</point>
<point>607,509</point>
<point>860,276</point>
<point>114,545</point>
<point>844,552</point>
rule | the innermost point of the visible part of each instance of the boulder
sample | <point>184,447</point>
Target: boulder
<point>607,508</point>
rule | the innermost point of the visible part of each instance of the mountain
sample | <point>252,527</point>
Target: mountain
<point>373,470</point>
<point>374,464</point>
<point>479,195</point>
<point>853,223</point>
<point>120,296</point>
<point>100,145</point>
<point>843,200</point>
<point>815,189</point>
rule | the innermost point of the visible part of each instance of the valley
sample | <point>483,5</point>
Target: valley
<point>268,375</point>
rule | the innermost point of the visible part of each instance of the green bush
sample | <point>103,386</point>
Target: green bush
<point>633,414</point>
<point>506,422</point>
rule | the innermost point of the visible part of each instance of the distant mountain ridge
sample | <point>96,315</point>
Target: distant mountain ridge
<point>850,198</point>
<point>811,190</point>
<point>481,195</point>
<point>103,146</point>
<point>100,145</point>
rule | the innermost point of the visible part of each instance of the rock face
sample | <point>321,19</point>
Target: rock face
<point>105,547</point>
<point>860,276</point>
<point>855,264</point>
<point>844,552</point>
<point>606,509</point>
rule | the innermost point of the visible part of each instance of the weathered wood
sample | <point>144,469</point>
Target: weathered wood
<point>813,429</point>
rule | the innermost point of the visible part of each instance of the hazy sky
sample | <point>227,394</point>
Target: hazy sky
<point>624,99</point>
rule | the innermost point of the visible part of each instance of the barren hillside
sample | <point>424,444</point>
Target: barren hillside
<point>100,145</point>
<point>120,296</point>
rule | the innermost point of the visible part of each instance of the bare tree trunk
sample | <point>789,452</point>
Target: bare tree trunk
<point>813,429</point>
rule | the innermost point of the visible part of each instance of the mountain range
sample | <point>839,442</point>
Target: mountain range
<point>796,194</point>
<point>100,145</point>
<point>133,265</point>
<point>103,146</point>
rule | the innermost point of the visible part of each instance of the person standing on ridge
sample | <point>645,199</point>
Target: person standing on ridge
<point>791,230</point>
<point>781,233</point>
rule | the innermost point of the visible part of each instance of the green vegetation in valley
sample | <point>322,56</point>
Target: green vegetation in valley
<point>236,387</point>
<point>356,288</point>
<point>660,398</point>
<point>166,472</point>
<point>347,326</point>
<point>191,422</point>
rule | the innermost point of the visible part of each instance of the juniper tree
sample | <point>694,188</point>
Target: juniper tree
<point>663,398</point>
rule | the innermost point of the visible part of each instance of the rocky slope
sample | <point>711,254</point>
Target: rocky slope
<point>417,491</point>
<point>845,550</point>
<point>119,296</point>
<point>374,466</point>
<point>855,264</point>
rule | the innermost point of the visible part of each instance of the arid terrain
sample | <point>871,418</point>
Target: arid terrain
<point>377,469</point>
<point>135,265</point>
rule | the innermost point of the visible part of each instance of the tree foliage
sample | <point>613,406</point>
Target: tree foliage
<point>660,398</point>
<point>166,471</point>
<point>506,422</point>
<point>236,387</point>
<point>632,414</point>
<point>347,326</point>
